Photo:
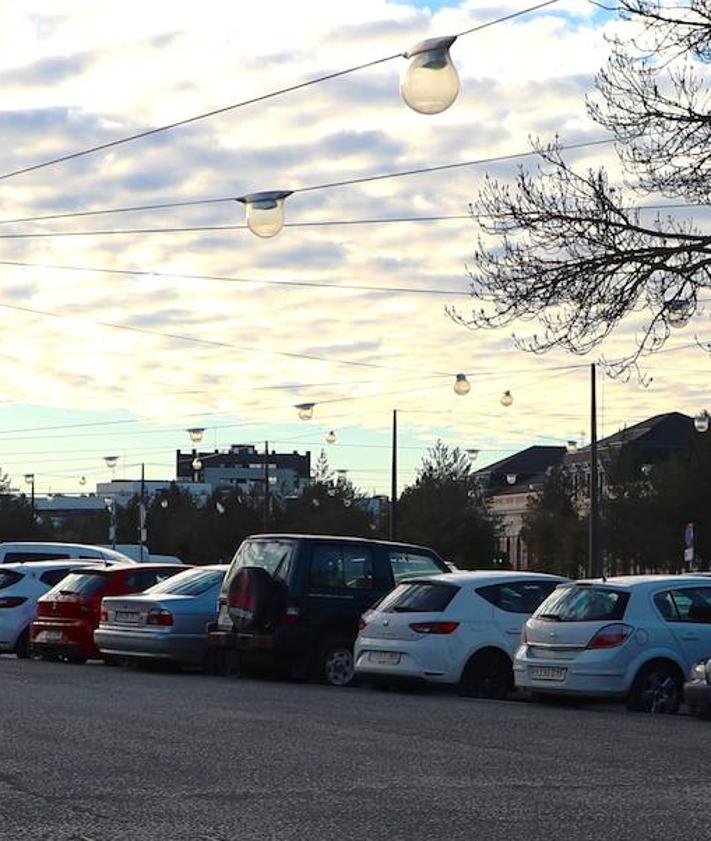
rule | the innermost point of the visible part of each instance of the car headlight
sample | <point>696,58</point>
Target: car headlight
<point>698,671</point>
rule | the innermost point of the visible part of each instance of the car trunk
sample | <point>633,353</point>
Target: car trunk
<point>127,612</point>
<point>413,603</point>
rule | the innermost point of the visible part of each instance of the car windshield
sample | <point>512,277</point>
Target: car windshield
<point>272,555</point>
<point>192,582</point>
<point>81,584</point>
<point>418,597</point>
<point>573,603</point>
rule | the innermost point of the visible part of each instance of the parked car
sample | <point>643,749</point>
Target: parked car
<point>20,587</point>
<point>167,622</point>
<point>69,613</point>
<point>697,689</point>
<point>32,551</point>
<point>293,601</point>
<point>632,637</point>
<point>461,628</point>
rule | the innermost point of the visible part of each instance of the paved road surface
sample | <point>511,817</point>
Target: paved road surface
<point>89,753</point>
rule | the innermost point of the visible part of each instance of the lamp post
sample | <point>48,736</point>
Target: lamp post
<point>30,479</point>
<point>594,565</point>
<point>142,530</point>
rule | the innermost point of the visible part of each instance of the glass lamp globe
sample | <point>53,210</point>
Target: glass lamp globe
<point>678,313</point>
<point>430,84</point>
<point>305,410</point>
<point>461,385</point>
<point>331,437</point>
<point>473,454</point>
<point>196,434</point>
<point>331,491</point>
<point>511,478</point>
<point>571,446</point>
<point>347,503</point>
<point>701,421</point>
<point>164,504</point>
<point>82,480</point>
<point>265,212</point>
<point>197,464</point>
<point>506,398</point>
<point>29,478</point>
<point>111,461</point>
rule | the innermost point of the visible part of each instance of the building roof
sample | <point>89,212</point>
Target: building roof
<point>532,460</point>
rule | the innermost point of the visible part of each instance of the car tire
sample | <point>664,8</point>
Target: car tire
<point>336,664</point>
<point>488,674</point>
<point>22,646</point>
<point>656,689</point>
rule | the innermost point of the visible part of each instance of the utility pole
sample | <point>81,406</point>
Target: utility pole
<point>393,482</point>
<point>265,511</point>
<point>594,566</point>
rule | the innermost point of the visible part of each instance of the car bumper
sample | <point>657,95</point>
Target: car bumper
<point>77,637</point>
<point>422,660</point>
<point>179,648</point>
<point>582,676</point>
<point>697,695</point>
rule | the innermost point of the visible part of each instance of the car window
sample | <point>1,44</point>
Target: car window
<point>572,603</point>
<point>192,582</point>
<point>83,583</point>
<point>335,567</point>
<point>418,597</point>
<point>8,578</point>
<point>517,596</point>
<point>412,565</point>
<point>144,578</point>
<point>690,604</point>
<point>53,576</point>
<point>30,557</point>
<point>275,556</point>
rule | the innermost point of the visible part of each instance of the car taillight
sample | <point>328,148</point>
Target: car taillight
<point>103,615</point>
<point>361,623</point>
<point>12,601</point>
<point>159,617</point>
<point>434,627</point>
<point>291,617</point>
<point>611,636</point>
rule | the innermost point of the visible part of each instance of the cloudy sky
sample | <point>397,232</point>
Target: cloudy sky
<point>224,353</point>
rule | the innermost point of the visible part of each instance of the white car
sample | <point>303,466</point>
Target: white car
<point>20,587</point>
<point>461,628</point>
<point>633,637</point>
<point>34,551</point>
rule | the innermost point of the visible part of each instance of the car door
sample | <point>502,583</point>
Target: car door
<point>342,583</point>
<point>687,612</point>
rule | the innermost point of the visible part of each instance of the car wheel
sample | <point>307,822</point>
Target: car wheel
<point>337,666</point>
<point>656,689</point>
<point>488,674</point>
<point>22,646</point>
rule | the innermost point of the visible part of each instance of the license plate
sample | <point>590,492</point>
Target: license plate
<point>128,616</point>
<point>51,636</point>
<point>384,658</point>
<point>549,673</point>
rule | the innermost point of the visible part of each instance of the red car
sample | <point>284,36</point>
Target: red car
<point>68,614</point>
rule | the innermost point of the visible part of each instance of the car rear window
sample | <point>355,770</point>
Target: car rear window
<point>192,582</point>
<point>82,583</point>
<point>8,578</point>
<point>583,604</point>
<point>34,557</point>
<point>410,564</point>
<point>517,596</point>
<point>418,597</point>
<point>275,556</point>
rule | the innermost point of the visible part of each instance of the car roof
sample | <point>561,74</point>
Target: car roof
<point>94,567</point>
<point>629,582</point>
<point>38,566</point>
<point>340,538</point>
<point>484,576</point>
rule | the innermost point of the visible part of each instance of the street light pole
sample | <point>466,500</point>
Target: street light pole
<point>30,479</point>
<point>142,534</point>
<point>265,511</point>
<point>594,570</point>
<point>393,482</point>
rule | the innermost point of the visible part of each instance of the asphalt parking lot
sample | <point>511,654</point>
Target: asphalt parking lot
<point>89,752</point>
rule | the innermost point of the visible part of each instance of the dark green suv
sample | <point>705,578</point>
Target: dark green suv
<point>293,601</point>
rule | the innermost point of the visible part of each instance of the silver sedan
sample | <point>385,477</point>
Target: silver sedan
<point>167,622</point>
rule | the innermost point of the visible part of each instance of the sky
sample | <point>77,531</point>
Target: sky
<point>96,363</point>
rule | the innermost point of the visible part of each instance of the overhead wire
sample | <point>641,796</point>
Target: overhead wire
<point>245,102</point>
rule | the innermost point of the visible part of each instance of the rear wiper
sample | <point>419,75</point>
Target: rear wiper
<point>553,616</point>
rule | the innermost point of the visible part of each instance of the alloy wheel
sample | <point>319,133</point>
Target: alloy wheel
<point>660,693</point>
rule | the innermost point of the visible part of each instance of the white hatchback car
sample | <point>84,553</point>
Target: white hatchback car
<point>461,628</point>
<point>633,637</point>
<point>20,587</point>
